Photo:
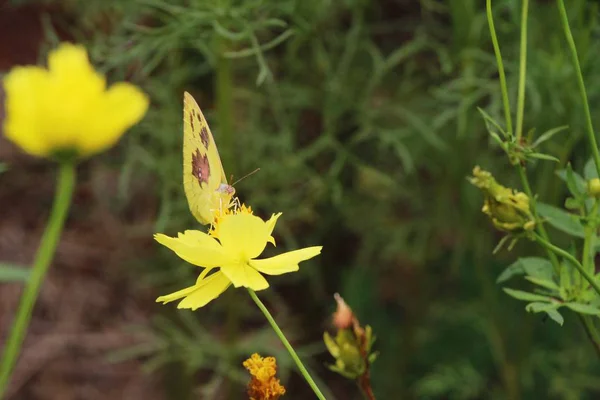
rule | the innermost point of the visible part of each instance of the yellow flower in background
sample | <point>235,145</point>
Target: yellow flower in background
<point>67,108</point>
<point>231,257</point>
<point>263,385</point>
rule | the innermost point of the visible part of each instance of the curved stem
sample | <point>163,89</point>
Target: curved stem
<point>522,71</point>
<point>50,238</point>
<point>502,75</point>
<point>287,345</point>
<point>572,259</point>
<point>586,107</point>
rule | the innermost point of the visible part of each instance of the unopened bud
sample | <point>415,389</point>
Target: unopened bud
<point>508,209</point>
<point>594,187</point>
<point>343,316</point>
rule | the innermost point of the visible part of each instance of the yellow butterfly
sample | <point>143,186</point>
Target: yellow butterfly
<point>204,179</point>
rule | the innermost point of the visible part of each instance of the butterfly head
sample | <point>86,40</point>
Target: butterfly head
<point>226,189</point>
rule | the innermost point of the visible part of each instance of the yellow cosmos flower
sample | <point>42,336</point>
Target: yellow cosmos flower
<point>231,257</point>
<point>67,108</point>
<point>263,385</point>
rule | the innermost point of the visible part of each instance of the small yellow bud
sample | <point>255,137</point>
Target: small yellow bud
<point>594,187</point>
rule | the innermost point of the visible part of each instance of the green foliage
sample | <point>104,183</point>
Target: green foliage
<point>13,273</point>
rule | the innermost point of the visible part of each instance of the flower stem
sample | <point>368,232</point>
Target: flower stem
<point>50,238</point>
<point>539,227</point>
<point>502,75</point>
<point>572,259</point>
<point>287,345</point>
<point>586,107</point>
<point>522,71</point>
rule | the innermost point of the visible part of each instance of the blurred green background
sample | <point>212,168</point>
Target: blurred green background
<point>361,116</point>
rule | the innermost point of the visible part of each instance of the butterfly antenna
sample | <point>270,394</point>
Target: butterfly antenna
<point>245,176</point>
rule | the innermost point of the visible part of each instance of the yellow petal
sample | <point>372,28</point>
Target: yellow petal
<point>176,295</point>
<point>196,248</point>
<point>69,62</point>
<point>286,262</point>
<point>271,225</point>
<point>243,275</point>
<point>121,107</point>
<point>209,289</point>
<point>72,104</point>
<point>21,86</point>
<point>181,293</point>
<point>243,235</point>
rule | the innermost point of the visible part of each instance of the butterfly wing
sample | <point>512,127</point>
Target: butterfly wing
<point>204,179</point>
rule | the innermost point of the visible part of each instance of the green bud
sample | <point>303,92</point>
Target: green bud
<point>346,351</point>
<point>593,186</point>
<point>508,209</point>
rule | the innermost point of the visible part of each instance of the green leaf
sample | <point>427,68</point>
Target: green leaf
<point>13,273</point>
<point>549,309</point>
<point>573,204</point>
<point>583,308</point>
<point>495,136</point>
<point>542,156</point>
<point>331,345</point>
<point>3,167</point>
<point>526,296</point>
<point>513,269</point>
<point>548,134</point>
<point>536,267</point>
<point>543,283</point>
<point>556,316</point>
<point>561,220</point>
<point>566,278</point>
<point>490,120</point>
<point>589,171</point>
<point>537,307</point>
<point>575,182</point>
<point>373,357</point>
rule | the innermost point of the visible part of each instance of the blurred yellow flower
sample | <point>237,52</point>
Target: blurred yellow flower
<point>66,108</point>
<point>241,238</point>
<point>263,385</point>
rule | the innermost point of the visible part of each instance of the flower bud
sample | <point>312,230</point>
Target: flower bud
<point>508,209</point>
<point>343,316</point>
<point>593,186</point>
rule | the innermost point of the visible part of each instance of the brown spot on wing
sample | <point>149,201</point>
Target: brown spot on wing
<point>200,167</point>
<point>192,121</point>
<point>204,137</point>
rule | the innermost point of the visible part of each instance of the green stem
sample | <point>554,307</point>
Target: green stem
<point>503,85</point>
<point>287,345</point>
<point>591,331</point>
<point>522,71</point>
<point>586,107</point>
<point>50,238</point>
<point>573,260</point>
<point>538,226</point>
<point>589,236</point>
